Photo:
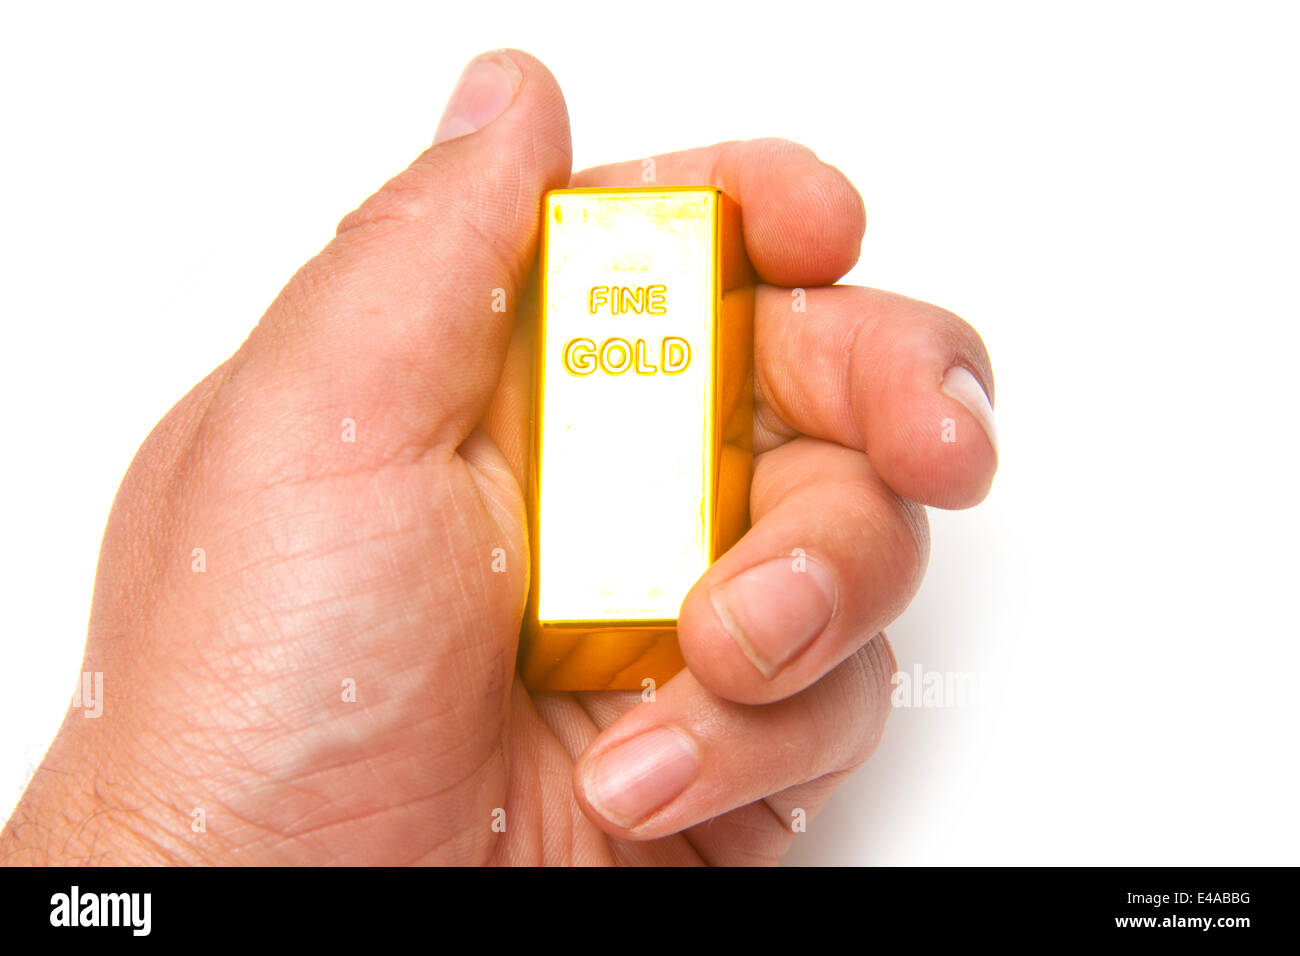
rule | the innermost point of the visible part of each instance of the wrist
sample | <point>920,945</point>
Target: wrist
<point>82,809</point>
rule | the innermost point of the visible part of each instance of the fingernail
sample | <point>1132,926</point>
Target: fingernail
<point>960,384</point>
<point>775,610</point>
<point>635,778</point>
<point>483,92</point>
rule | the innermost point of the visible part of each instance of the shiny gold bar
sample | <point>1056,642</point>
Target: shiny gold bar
<point>642,443</point>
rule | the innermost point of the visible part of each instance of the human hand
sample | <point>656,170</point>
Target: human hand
<point>259,568</point>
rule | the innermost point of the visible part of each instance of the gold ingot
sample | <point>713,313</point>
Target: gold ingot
<point>642,444</point>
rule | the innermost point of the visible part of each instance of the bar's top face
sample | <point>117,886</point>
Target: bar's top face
<point>625,402</point>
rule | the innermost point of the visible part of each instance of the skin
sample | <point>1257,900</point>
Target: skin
<point>327,561</point>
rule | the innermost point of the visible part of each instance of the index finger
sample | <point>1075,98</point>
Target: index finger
<point>803,220</point>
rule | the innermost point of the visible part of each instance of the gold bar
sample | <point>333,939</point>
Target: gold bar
<point>642,441</point>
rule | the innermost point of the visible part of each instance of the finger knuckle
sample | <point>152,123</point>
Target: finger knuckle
<point>869,673</point>
<point>412,196</point>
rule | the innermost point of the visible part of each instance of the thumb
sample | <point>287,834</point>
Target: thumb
<point>411,306</point>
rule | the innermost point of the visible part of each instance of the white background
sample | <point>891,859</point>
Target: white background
<point>1107,191</point>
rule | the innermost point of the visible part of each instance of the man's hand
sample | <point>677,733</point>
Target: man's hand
<point>307,657</point>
